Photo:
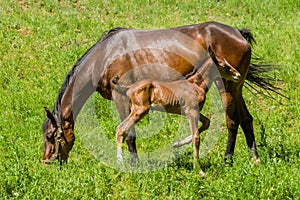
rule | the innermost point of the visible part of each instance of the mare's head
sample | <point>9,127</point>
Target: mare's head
<point>58,138</point>
<point>226,70</point>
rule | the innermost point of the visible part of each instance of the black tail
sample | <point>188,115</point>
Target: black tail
<point>246,33</point>
<point>259,73</point>
<point>118,86</point>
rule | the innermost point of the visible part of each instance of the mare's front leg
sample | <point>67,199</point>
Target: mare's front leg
<point>123,106</point>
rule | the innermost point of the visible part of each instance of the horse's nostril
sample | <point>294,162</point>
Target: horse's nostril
<point>237,76</point>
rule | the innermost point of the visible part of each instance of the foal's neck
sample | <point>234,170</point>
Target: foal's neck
<point>204,77</point>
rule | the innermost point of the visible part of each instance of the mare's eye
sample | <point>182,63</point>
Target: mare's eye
<point>49,136</point>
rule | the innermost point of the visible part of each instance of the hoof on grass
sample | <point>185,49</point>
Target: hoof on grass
<point>203,175</point>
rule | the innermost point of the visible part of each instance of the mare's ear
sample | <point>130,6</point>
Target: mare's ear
<point>50,116</point>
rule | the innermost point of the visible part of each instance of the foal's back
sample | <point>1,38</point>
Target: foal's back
<point>172,97</point>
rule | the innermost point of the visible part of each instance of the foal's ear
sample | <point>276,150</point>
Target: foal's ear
<point>50,116</point>
<point>214,57</point>
<point>210,51</point>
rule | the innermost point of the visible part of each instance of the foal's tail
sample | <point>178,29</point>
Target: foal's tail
<point>258,72</point>
<point>116,85</point>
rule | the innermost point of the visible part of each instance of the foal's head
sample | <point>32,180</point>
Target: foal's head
<point>58,138</point>
<point>226,70</point>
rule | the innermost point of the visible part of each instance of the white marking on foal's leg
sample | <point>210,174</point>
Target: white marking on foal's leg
<point>119,155</point>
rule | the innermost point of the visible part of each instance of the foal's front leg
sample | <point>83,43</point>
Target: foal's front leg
<point>123,106</point>
<point>137,112</point>
<point>122,129</point>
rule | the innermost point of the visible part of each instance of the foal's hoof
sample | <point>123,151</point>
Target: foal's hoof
<point>202,174</point>
<point>176,145</point>
<point>119,159</point>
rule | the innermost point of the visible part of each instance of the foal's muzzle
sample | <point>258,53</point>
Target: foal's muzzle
<point>237,77</point>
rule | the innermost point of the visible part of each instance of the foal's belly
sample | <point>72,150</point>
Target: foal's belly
<point>174,109</point>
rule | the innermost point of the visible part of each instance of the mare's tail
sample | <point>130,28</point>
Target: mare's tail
<point>116,85</point>
<point>258,72</point>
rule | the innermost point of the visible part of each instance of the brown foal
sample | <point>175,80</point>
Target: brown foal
<point>185,97</point>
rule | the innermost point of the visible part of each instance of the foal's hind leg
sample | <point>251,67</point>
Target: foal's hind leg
<point>205,125</point>
<point>193,116</point>
<point>123,107</point>
<point>247,126</point>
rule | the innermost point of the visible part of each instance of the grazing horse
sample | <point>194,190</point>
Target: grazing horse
<point>185,97</point>
<point>179,50</point>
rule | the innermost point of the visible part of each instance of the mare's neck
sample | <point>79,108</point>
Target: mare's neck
<point>75,94</point>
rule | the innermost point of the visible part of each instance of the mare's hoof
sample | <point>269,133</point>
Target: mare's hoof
<point>256,161</point>
<point>228,161</point>
<point>134,161</point>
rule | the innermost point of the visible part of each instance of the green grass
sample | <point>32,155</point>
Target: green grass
<point>41,40</point>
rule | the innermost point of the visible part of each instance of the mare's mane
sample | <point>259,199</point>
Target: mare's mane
<point>107,34</point>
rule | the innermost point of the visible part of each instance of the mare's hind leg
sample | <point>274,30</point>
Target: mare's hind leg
<point>205,125</point>
<point>247,126</point>
<point>236,114</point>
<point>232,116</point>
<point>123,107</point>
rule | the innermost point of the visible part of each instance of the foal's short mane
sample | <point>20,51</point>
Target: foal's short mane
<point>72,72</point>
<point>194,71</point>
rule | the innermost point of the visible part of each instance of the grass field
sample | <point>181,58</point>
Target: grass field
<point>41,40</point>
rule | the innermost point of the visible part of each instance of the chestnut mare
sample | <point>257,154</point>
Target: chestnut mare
<point>185,97</point>
<point>178,50</point>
